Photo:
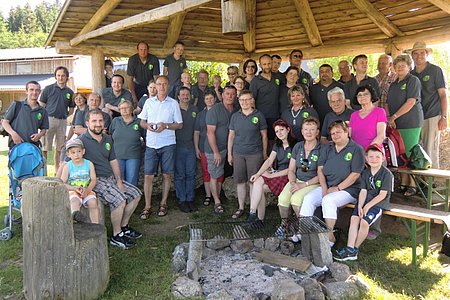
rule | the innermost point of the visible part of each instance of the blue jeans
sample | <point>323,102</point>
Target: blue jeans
<point>129,170</point>
<point>153,157</point>
<point>185,169</point>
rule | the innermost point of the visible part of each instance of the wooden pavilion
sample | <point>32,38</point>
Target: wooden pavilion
<point>234,30</point>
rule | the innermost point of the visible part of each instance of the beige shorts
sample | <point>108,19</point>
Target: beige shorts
<point>57,130</point>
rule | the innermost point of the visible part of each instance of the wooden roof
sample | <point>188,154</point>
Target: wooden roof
<point>321,28</point>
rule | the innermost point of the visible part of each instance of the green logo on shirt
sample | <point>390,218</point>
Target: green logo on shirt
<point>403,87</point>
<point>314,157</point>
<point>305,114</point>
<point>378,183</point>
<point>426,77</point>
<point>39,116</point>
<point>68,96</point>
<point>304,80</point>
<point>194,114</point>
<point>108,146</point>
<point>289,155</point>
<point>277,81</point>
<point>255,120</point>
<point>348,156</point>
<point>135,127</point>
<point>150,67</point>
<point>181,64</point>
<point>122,100</point>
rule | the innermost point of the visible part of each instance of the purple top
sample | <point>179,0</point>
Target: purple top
<point>364,130</point>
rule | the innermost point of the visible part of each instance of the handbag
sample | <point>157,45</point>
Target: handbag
<point>445,249</point>
<point>419,159</point>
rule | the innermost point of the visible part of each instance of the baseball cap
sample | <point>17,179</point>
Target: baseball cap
<point>375,147</point>
<point>74,143</point>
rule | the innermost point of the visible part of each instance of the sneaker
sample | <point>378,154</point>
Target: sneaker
<point>131,233</point>
<point>252,217</point>
<point>77,216</point>
<point>192,206</point>
<point>346,254</point>
<point>296,238</point>
<point>184,207</point>
<point>121,241</point>
<point>281,232</point>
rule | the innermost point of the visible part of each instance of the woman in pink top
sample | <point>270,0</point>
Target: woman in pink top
<point>367,125</point>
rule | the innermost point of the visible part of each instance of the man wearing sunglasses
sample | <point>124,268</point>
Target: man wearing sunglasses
<point>304,78</point>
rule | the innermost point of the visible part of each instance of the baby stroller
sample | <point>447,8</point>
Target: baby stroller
<point>25,161</point>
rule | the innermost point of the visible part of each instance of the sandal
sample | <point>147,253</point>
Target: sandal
<point>400,189</point>
<point>237,214</point>
<point>145,214</point>
<point>207,201</point>
<point>218,208</point>
<point>410,191</point>
<point>162,211</point>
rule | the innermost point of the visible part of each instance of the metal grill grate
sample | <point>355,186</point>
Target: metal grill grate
<point>243,230</point>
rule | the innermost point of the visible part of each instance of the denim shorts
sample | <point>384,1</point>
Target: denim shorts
<point>373,214</point>
<point>165,155</point>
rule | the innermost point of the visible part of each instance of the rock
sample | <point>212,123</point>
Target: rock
<point>258,243</point>
<point>180,255</point>
<point>178,265</point>
<point>251,297</point>
<point>207,252</point>
<point>288,290</point>
<point>286,247</point>
<point>229,188</point>
<point>339,271</point>
<point>225,251</point>
<point>192,270</point>
<point>219,295</point>
<point>218,243</point>
<point>321,251</point>
<point>181,250</point>
<point>268,270</point>
<point>184,287</point>
<point>363,286</point>
<point>313,290</point>
<point>242,246</point>
<point>194,258</point>
<point>272,244</point>
<point>262,296</point>
<point>342,291</point>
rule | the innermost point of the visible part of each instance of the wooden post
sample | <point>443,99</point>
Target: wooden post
<point>233,17</point>
<point>98,67</point>
<point>61,260</point>
<point>393,50</point>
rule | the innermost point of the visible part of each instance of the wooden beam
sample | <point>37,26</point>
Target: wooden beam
<point>151,16</point>
<point>378,18</point>
<point>308,21</point>
<point>249,38</point>
<point>99,16</point>
<point>174,29</point>
<point>442,4</point>
<point>97,66</point>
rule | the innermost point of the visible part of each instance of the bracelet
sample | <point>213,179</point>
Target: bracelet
<point>444,117</point>
<point>395,116</point>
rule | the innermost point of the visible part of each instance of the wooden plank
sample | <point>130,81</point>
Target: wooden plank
<point>296,263</point>
<point>173,32</point>
<point>439,173</point>
<point>107,7</point>
<point>442,4</point>
<point>308,21</point>
<point>378,18</point>
<point>249,37</point>
<point>147,17</point>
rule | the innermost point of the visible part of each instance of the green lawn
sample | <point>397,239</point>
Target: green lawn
<point>145,273</point>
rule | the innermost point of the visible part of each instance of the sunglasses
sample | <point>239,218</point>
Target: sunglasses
<point>372,183</point>
<point>305,165</point>
<point>297,56</point>
<point>231,74</point>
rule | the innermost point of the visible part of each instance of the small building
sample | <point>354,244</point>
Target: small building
<point>18,66</point>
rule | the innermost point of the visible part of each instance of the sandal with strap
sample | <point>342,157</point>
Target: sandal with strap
<point>162,211</point>
<point>218,208</point>
<point>410,191</point>
<point>207,201</point>
<point>145,214</point>
<point>237,214</point>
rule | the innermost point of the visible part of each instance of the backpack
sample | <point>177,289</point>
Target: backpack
<point>419,158</point>
<point>394,149</point>
<point>16,113</point>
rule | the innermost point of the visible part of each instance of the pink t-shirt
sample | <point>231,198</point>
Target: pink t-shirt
<point>364,130</point>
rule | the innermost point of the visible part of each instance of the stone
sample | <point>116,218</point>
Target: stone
<point>242,246</point>
<point>217,243</point>
<point>363,286</point>
<point>313,290</point>
<point>339,271</point>
<point>194,258</point>
<point>178,265</point>
<point>272,244</point>
<point>321,251</point>
<point>306,247</point>
<point>268,270</point>
<point>192,270</point>
<point>184,287</point>
<point>219,295</point>
<point>288,290</point>
<point>286,247</point>
<point>180,255</point>
<point>207,252</point>
<point>229,189</point>
<point>251,297</point>
<point>181,250</point>
<point>342,290</point>
<point>225,251</point>
<point>258,243</point>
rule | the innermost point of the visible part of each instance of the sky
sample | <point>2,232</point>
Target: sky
<point>5,5</point>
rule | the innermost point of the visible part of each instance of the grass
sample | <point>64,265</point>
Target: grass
<point>145,271</point>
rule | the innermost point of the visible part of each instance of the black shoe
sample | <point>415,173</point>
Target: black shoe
<point>121,241</point>
<point>192,206</point>
<point>131,233</point>
<point>184,207</point>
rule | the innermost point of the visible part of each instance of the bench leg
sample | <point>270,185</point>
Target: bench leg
<point>429,192</point>
<point>426,239</point>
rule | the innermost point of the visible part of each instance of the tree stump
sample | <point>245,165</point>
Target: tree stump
<point>61,260</point>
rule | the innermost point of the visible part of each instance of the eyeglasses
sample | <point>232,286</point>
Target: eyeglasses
<point>305,165</point>
<point>360,95</point>
<point>245,99</point>
<point>231,74</point>
<point>238,82</point>
<point>297,56</point>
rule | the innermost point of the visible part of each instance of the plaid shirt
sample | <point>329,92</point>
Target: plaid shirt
<point>384,84</point>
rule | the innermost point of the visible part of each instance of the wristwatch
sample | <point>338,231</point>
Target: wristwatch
<point>444,117</point>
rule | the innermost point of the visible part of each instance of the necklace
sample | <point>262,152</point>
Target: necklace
<point>295,115</point>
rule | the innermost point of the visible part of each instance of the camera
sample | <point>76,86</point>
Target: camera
<point>154,126</point>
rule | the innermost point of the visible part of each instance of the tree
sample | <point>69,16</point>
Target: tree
<point>213,68</point>
<point>46,14</point>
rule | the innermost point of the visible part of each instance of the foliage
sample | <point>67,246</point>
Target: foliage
<point>26,28</point>
<point>213,68</point>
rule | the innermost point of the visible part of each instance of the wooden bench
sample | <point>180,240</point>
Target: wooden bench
<point>417,220</point>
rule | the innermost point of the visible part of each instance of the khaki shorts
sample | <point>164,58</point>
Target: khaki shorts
<point>244,166</point>
<point>57,130</point>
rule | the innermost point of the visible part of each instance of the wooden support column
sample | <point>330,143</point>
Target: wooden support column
<point>98,65</point>
<point>99,16</point>
<point>442,4</point>
<point>233,17</point>
<point>249,37</point>
<point>393,50</point>
<point>308,21</point>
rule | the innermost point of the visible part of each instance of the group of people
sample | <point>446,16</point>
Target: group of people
<point>304,141</point>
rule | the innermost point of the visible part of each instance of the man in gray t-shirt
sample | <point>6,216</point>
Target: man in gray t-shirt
<point>174,66</point>
<point>114,95</point>
<point>434,100</point>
